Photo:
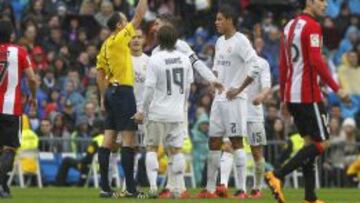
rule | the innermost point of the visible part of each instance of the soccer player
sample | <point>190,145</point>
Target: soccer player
<point>236,64</point>
<point>14,62</point>
<point>197,64</point>
<point>167,86</point>
<point>257,93</point>
<point>301,64</point>
<point>114,65</point>
<point>140,62</point>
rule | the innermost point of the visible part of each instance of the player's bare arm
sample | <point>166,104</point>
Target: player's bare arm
<point>260,98</point>
<point>139,12</point>
<point>102,84</point>
<point>233,92</point>
<point>32,84</point>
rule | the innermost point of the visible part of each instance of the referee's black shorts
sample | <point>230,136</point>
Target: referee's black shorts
<point>120,106</point>
<point>10,130</point>
<point>311,120</point>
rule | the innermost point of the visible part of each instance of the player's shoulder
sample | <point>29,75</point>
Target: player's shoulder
<point>145,56</point>
<point>240,38</point>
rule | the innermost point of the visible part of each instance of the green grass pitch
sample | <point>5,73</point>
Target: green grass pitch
<point>89,195</point>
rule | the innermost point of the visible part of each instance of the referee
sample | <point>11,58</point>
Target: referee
<point>115,78</point>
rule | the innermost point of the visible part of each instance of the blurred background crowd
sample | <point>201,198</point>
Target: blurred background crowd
<point>63,38</point>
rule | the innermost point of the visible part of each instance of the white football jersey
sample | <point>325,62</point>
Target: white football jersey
<point>201,68</point>
<point>235,59</point>
<point>170,74</point>
<point>140,64</point>
<point>256,112</point>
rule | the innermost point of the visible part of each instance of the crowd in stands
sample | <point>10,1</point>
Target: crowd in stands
<point>63,38</point>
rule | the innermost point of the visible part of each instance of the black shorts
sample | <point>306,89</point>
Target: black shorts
<point>310,119</point>
<point>120,106</point>
<point>10,130</point>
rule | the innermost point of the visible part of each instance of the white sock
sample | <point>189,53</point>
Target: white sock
<point>240,164</point>
<point>170,176</point>
<point>213,163</point>
<point>178,169</point>
<point>152,167</point>
<point>259,172</point>
<point>226,165</point>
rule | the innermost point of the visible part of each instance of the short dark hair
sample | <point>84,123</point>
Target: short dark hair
<point>170,19</point>
<point>113,21</point>
<point>167,37</point>
<point>229,13</point>
<point>6,29</point>
<point>302,4</point>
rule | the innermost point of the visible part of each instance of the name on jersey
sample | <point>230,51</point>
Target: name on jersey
<point>171,61</point>
<point>223,63</point>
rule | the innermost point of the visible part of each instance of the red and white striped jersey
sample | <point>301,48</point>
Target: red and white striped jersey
<point>13,61</point>
<point>301,62</point>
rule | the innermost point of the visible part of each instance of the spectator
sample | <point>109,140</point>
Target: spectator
<point>78,137</point>
<point>29,39</point>
<point>69,115</point>
<point>347,44</point>
<point>200,144</point>
<point>349,74</point>
<point>45,133</point>
<point>270,118</point>
<point>75,97</point>
<point>332,33</point>
<point>343,19</point>
<point>106,10</point>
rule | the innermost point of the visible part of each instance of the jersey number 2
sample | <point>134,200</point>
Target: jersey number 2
<point>176,76</point>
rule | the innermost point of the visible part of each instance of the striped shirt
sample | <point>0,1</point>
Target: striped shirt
<point>13,61</point>
<point>301,63</point>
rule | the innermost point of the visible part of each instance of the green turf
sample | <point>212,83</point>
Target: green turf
<point>77,195</point>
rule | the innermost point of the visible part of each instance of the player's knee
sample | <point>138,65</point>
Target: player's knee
<point>215,143</point>
<point>7,158</point>
<point>237,143</point>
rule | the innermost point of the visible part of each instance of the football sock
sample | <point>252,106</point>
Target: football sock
<point>240,164</point>
<point>128,161</point>
<point>259,171</point>
<point>152,167</point>
<point>178,169</point>
<point>226,165</point>
<point>308,169</point>
<point>170,176</point>
<point>6,164</point>
<point>104,156</point>
<point>213,163</point>
<point>307,152</point>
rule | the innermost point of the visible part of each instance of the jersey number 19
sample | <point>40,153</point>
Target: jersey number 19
<point>176,77</point>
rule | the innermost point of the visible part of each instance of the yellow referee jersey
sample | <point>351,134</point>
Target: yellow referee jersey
<point>115,57</point>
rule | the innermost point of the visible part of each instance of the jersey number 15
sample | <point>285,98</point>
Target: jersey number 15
<point>176,77</point>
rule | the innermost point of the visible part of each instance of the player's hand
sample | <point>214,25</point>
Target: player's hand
<point>283,109</point>
<point>138,117</point>
<point>258,100</point>
<point>33,102</point>
<point>217,85</point>
<point>232,93</point>
<point>344,96</point>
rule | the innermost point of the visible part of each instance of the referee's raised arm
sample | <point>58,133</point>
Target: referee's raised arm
<point>140,11</point>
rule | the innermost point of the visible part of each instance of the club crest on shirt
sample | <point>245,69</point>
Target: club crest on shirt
<point>314,40</point>
<point>229,49</point>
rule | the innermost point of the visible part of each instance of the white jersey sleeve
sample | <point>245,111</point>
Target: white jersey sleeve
<point>265,76</point>
<point>151,73</point>
<point>249,58</point>
<point>197,64</point>
<point>256,112</point>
